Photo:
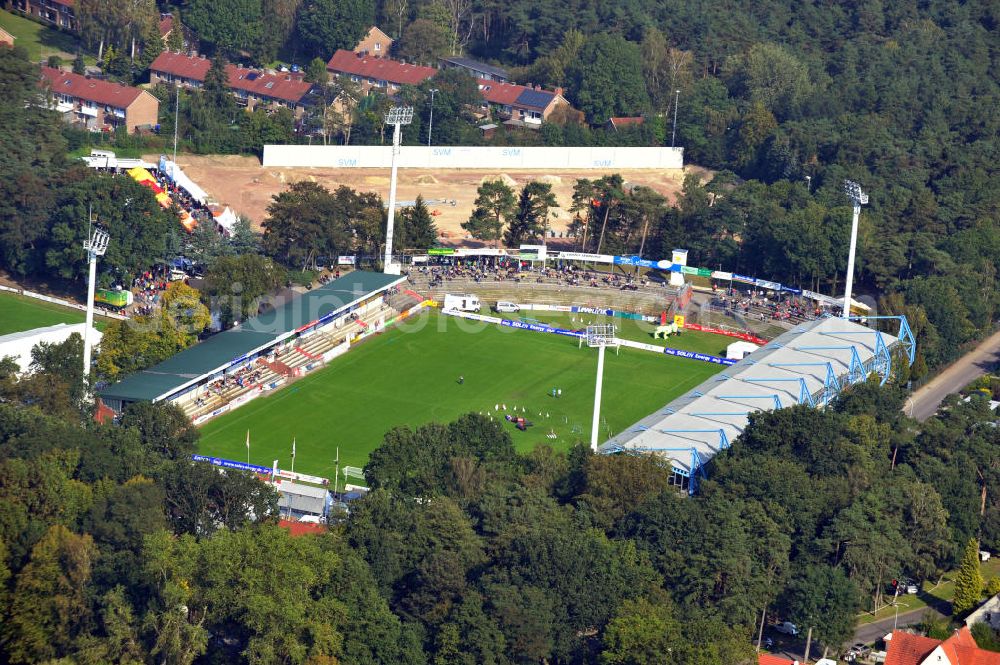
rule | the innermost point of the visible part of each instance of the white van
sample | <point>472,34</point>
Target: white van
<point>507,307</point>
<point>464,303</point>
<point>177,275</point>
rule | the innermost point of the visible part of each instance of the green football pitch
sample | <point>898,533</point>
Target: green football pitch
<point>18,313</point>
<point>409,375</point>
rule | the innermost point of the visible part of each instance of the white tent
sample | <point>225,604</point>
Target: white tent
<point>226,220</point>
<point>179,178</point>
<point>19,344</point>
<point>738,350</point>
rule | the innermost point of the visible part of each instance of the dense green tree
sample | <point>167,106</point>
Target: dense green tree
<point>607,78</point>
<point>531,219</point>
<point>495,203</point>
<point>325,26</point>
<point>419,230</point>
<point>968,582</point>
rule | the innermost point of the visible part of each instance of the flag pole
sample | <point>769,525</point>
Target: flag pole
<point>293,454</point>
<point>336,474</point>
<point>248,446</point>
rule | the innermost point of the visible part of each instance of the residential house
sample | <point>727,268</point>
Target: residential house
<point>959,649</point>
<point>624,123</point>
<point>58,13</point>
<point>375,43</point>
<point>97,104</point>
<point>522,105</point>
<point>988,612</point>
<point>6,38</point>
<point>383,74</point>
<point>479,70</point>
<point>251,87</point>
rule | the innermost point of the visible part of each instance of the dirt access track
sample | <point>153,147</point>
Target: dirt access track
<point>247,187</point>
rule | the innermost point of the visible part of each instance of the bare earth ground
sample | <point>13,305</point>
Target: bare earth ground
<point>247,187</point>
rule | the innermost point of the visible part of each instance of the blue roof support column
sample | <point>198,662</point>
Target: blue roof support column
<point>883,359</point>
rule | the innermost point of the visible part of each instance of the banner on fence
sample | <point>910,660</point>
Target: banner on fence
<point>233,464</point>
<point>698,356</point>
<point>521,325</point>
<point>728,333</point>
<point>246,397</point>
<point>338,350</point>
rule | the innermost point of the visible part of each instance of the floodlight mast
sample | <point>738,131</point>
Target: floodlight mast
<point>859,198</point>
<point>96,245</point>
<point>397,116</point>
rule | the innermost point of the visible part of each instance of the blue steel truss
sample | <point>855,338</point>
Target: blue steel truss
<point>905,334</point>
<point>881,362</point>
<point>697,466</point>
<point>775,397</point>
<point>831,386</point>
<point>805,397</point>
<point>855,371</point>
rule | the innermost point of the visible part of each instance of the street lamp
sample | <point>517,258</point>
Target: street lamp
<point>96,245</point>
<point>673,134</point>
<point>430,125</point>
<point>859,198</point>
<point>397,117</point>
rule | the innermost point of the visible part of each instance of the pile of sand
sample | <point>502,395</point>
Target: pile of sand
<point>426,179</point>
<point>551,179</point>
<point>503,177</point>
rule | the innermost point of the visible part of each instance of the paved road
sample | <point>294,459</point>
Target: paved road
<point>924,402</point>
<point>872,632</point>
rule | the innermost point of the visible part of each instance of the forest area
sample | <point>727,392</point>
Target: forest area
<point>115,547</point>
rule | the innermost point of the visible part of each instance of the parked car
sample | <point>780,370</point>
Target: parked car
<point>767,643</point>
<point>787,627</point>
<point>912,588</point>
<point>857,651</point>
<point>507,307</point>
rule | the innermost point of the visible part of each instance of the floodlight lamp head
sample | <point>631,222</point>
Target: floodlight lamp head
<point>854,192</point>
<point>97,244</point>
<point>399,115</point>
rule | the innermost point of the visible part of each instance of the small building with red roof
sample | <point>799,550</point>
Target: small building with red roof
<point>771,659</point>
<point>6,39</point>
<point>383,74</point>
<point>251,87</point>
<point>296,528</point>
<point>98,104</point>
<point>959,649</point>
<point>623,123</point>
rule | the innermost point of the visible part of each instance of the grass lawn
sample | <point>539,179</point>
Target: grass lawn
<point>18,313</point>
<point>408,376</point>
<point>41,41</point>
<point>930,594</point>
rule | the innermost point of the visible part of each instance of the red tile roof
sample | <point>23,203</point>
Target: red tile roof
<point>771,659</point>
<point>181,64</point>
<point>282,86</point>
<point>380,69</point>
<point>100,92</point>
<point>504,94</point>
<point>296,529</point>
<point>166,24</point>
<point>286,87</point>
<point>627,122</point>
<point>960,649</point>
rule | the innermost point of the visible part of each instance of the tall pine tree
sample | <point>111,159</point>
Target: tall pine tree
<point>421,232</point>
<point>969,582</point>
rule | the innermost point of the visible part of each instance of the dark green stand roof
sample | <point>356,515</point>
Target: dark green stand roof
<point>219,351</point>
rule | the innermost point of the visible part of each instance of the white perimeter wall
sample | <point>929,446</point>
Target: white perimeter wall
<point>379,157</point>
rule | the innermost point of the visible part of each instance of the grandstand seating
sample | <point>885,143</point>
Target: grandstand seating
<point>308,350</point>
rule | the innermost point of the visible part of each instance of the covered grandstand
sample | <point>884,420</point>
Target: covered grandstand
<point>809,364</point>
<point>335,305</point>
